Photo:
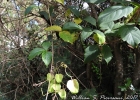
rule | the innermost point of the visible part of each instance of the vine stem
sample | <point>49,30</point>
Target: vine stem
<point>51,70</point>
<point>52,62</point>
<point>47,91</point>
<point>76,77</point>
<point>67,73</point>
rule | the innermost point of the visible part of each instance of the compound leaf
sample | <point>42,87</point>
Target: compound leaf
<point>106,53</point>
<point>114,13</point>
<point>91,52</point>
<point>29,9</point>
<point>91,20</point>
<point>71,26</point>
<point>130,34</point>
<point>35,52</point>
<point>46,57</point>
<point>68,37</point>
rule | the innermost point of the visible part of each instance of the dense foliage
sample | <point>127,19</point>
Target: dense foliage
<point>69,49</point>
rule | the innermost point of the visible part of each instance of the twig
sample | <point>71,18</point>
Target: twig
<point>7,93</point>
<point>51,70</point>
<point>76,77</point>
<point>39,84</point>
<point>15,98</point>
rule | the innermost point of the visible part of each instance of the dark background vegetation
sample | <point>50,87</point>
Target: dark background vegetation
<point>23,79</point>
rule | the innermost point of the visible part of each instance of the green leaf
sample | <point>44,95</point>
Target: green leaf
<point>73,86</point>
<point>123,88</point>
<point>71,26</point>
<point>107,26</point>
<point>46,45</point>
<point>106,53</point>
<point>46,57</point>
<point>94,1</point>
<point>130,34</point>
<point>91,20</point>
<point>68,37</point>
<point>50,88</point>
<point>51,9</point>
<point>130,17</point>
<point>135,4</point>
<point>50,76</point>
<point>123,2</point>
<point>35,52</point>
<point>62,94</point>
<point>86,33</point>
<point>99,37</point>
<point>53,81</point>
<point>44,14</point>
<point>91,52</point>
<point>118,25</point>
<point>128,82</point>
<point>74,10</point>
<point>67,13</point>
<point>114,13</point>
<point>56,87</point>
<point>53,28</point>
<point>111,28</point>
<point>58,78</point>
<point>77,20</point>
<point>29,9</point>
<point>60,1</point>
